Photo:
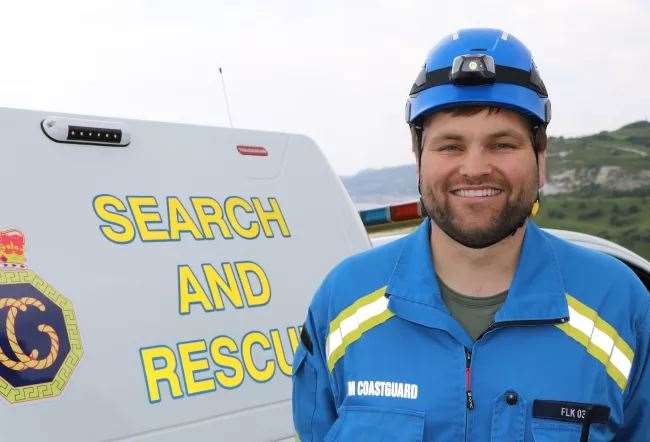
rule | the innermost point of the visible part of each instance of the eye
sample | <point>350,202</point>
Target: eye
<point>449,147</point>
<point>505,146</point>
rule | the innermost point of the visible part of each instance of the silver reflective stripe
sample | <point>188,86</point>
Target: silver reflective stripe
<point>600,339</point>
<point>352,323</point>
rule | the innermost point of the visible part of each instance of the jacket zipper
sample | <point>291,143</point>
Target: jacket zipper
<point>468,379</point>
<point>469,399</point>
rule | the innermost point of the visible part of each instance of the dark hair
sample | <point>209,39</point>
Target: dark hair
<point>538,137</point>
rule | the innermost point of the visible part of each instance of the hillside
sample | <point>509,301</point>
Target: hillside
<point>608,163</point>
<point>614,161</point>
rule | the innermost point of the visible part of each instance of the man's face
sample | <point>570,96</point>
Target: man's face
<point>479,177</point>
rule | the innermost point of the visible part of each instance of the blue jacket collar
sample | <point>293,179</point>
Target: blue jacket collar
<point>537,291</point>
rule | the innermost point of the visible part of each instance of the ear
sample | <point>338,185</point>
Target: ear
<point>541,166</point>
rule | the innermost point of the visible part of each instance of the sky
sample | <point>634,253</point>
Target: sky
<point>338,71</point>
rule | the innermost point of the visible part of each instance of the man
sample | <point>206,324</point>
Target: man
<point>477,326</point>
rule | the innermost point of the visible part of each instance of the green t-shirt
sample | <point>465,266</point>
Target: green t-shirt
<point>473,313</point>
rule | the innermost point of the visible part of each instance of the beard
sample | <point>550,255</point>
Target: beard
<point>506,222</point>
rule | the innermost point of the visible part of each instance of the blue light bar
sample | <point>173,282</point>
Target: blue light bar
<point>373,217</point>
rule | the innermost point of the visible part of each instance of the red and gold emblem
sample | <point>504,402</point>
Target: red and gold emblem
<point>40,344</point>
<point>12,249</point>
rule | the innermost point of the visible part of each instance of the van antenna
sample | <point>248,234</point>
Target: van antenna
<point>225,95</point>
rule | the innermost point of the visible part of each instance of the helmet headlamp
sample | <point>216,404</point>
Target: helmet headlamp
<point>473,69</point>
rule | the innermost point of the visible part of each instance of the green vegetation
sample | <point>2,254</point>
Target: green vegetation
<point>627,147</point>
<point>622,219</point>
<point>622,216</point>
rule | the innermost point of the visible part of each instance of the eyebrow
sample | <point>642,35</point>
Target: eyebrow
<point>447,136</point>
<point>460,137</point>
<point>507,133</point>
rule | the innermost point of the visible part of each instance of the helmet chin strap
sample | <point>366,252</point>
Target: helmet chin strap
<point>417,140</point>
<point>517,227</point>
<point>423,208</point>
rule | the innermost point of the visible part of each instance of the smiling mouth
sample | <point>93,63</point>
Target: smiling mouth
<point>477,193</point>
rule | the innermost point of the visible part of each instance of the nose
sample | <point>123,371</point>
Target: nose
<point>475,163</point>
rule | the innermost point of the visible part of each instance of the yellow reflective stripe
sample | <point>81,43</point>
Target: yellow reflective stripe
<point>349,311</point>
<point>351,316</point>
<point>600,339</point>
<point>349,325</point>
<point>598,353</point>
<point>574,333</point>
<point>356,334</point>
<point>618,341</point>
<point>619,360</point>
<point>617,376</point>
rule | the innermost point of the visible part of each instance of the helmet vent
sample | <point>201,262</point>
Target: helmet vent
<point>479,49</point>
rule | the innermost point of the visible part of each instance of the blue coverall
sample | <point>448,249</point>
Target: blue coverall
<point>566,359</point>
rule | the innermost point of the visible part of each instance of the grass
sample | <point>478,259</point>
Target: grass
<point>623,219</point>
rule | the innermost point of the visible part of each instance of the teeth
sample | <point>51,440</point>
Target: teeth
<point>473,193</point>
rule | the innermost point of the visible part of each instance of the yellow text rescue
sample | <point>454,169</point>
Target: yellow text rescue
<point>203,366</point>
<point>201,218</point>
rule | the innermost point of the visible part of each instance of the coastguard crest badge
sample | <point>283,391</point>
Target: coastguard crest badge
<point>40,344</point>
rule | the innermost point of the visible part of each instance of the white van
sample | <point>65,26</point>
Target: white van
<point>154,276</point>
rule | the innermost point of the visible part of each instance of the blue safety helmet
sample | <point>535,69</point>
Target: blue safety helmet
<point>479,67</point>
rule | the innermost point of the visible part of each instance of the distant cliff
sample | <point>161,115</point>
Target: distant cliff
<point>608,163</point>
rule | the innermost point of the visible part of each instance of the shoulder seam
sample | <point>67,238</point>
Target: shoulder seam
<point>645,318</point>
<point>555,259</point>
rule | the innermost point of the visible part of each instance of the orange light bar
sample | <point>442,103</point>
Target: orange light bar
<point>403,212</point>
